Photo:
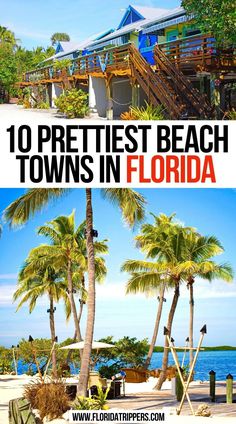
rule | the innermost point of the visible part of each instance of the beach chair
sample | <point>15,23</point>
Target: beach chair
<point>20,412</point>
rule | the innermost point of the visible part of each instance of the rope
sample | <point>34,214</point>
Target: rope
<point>121,104</point>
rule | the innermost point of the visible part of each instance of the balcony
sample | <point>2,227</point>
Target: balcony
<point>113,60</point>
<point>199,53</point>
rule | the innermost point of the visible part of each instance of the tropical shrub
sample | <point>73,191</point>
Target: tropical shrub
<point>230,115</point>
<point>42,105</point>
<point>128,352</point>
<point>97,402</point>
<point>31,390</point>
<point>73,103</point>
<point>85,403</point>
<point>144,113</point>
<point>101,397</point>
<point>59,65</point>
<point>50,399</point>
<point>6,365</point>
<point>39,349</point>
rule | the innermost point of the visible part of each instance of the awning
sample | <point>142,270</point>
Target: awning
<point>95,345</point>
<point>165,24</point>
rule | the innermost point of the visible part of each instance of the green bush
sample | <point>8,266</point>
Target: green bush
<point>6,360</point>
<point>73,103</point>
<point>98,402</point>
<point>42,105</point>
<point>144,113</point>
<point>127,353</point>
<point>230,115</point>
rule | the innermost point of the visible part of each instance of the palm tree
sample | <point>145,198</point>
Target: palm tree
<point>35,282</point>
<point>7,37</point>
<point>146,279</point>
<point>68,253</point>
<point>181,256</point>
<point>59,36</point>
<point>131,204</point>
<point>199,264</point>
<point>149,282</point>
<point>165,242</point>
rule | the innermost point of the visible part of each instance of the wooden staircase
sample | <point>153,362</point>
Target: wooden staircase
<point>168,86</point>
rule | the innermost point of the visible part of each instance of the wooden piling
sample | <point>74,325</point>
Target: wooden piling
<point>212,375</point>
<point>179,389</point>
<point>229,388</point>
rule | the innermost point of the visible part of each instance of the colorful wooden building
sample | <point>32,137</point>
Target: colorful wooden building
<point>157,55</point>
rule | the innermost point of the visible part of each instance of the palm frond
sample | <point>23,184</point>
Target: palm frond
<point>34,200</point>
<point>129,201</point>
<point>144,282</point>
<point>132,266</point>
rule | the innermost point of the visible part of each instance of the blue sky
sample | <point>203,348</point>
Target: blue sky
<point>34,22</point>
<point>211,211</point>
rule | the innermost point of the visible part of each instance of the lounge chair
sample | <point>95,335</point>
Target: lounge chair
<point>136,375</point>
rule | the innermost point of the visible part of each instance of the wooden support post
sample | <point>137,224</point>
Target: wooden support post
<point>175,357</point>
<point>203,332</point>
<point>215,95</point>
<point>108,82</point>
<point>135,95</point>
<point>49,359</point>
<point>212,375</point>
<point>184,355</point>
<point>229,388</point>
<point>179,390</point>
<point>14,359</point>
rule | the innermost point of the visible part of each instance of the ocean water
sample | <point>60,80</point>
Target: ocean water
<point>222,362</point>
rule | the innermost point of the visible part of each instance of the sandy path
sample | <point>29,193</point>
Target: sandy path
<point>11,387</point>
<point>19,113</point>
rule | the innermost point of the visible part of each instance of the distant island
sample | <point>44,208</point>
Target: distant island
<point>206,348</point>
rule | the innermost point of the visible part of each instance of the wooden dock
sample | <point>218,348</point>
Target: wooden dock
<point>199,394</point>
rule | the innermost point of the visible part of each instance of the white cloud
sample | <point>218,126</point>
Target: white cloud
<point>6,293</point>
<point>115,291</point>
<point>202,290</point>
<point>6,297</point>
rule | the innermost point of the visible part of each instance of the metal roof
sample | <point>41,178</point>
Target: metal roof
<point>164,16</point>
<point>70,47</point>
<point>153,16</point>
<point>150,12</point>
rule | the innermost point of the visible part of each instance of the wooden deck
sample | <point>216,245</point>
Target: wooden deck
<point>199,394</point>
<point>197,53</point>
<point>113,61</point>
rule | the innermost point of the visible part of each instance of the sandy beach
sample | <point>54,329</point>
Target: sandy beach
<point>138,396</point>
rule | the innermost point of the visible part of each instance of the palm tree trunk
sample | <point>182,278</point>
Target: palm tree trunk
<point>72,301</point>
<point>191,316</point>
<point>84,370</point>
<point>156,328</point>
<point>53,335</point>
<point>75,335</point>
<point>169,326</point>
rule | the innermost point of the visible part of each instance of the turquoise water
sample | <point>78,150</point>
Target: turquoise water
<point>222,362</point>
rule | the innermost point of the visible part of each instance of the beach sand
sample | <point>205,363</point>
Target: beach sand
<point>12,387</point>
